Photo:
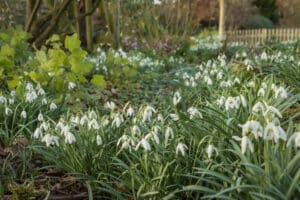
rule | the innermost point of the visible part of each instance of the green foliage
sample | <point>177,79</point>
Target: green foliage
<point>256,22</point>
<point>14,53</point>
<point>57,68</point>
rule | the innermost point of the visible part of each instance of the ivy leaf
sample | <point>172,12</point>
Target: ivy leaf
<point>12,84</point>
<point>99,81</point>
<point>72,42</point>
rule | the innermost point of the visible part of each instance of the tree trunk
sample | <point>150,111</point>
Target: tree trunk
<point>88,25</point>
<point>118,24</point>
<point>222,19</point>
<point>31,12</point>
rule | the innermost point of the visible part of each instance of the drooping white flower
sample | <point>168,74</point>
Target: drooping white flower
<point>99,140</point>
<point>210,150</point>
<point>53,106</point>
<point>69,138</point>
<point>169,133</point>
<point>135,130</point>
<point>130,112</point>
<point>93,124</point>
<point>273,132</point>
<point>294,138</point>
<point>174,117</point>
<point>252,127</point>
<point>245,142</point>
<point>30,96</point>
<point>71,85</point>
<point>75,120</point>
<point>40,90</point>
<point>40,117</point>
<point>145,144</point>
<point>147,114</point>
<point>176,98</point>
<point>8,111</point>
<point>44,126</point>
<point>261,92</point>
<point>50,140</point>
<point>280,92</point>
<point>264,56</point>
<point>258,107</point>
<point>37,133</point>
<point>24,114</point>
<point>110,105</point>
<point>84,120</point>
<point>3,100</point>
<point>92,114</point>
<point>44,101</point>
<point>231,103</point>
<point>221,101</point>
<point>157,2</point>
<point>272,110</point>
<point>181,148</point>
<point>11,101</point>
<point>117,120</point>
<point>194,112</point>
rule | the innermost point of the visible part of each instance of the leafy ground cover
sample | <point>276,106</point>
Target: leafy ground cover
<point>196,123</point>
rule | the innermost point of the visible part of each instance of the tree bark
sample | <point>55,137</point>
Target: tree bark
<point>53,23</point>
<point>33,11</point>
<point>88,25</point>
<point>118,24</point>
<point>222,19</point>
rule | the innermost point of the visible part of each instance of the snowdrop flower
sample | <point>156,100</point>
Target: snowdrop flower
<point>30,96</point>
<point>44,101</point>
<point>65,129</point>
<point>245,142</point>
<point>93,124</point>
<point>75,120</point>
<point>281,92</point>
<point>44,126</point>
<point>50,140</point>
<point>273,132</point>
<point>40,117</point>
<point>258,107</point>
<point>92,115</point>
<point>104,122</point>
<point>71,85</point>
<point>157,2</point>
<point>29,87</point>
<point>135,130</point>
<point>176,98</point>
<point>219,75</point>
<point>145,144</point>
<point>231,103</point>
<point>194,112</point>
<point>181,148</point>
<point>11,101</point>
<point>130,112</point>
<point>174,117</point>
<point>8,111</point>
<point>53,106</point>
<point>251,84</point>
<point>117,121</point>
<point>84,120</point>
<point>210,150</point>
<point>24,114</point>
<point>250,67</point>
<point>37,133</point>
<point>273,111</point>
<point>221,101</point>
<point>13,93</point>
<point>264,56</point>
<point>261,92</point>
<point>40,90</point>
<point>296,138</point>
<point>3,100</point>
<point>253,127</point>
<point>69,138</point>
<point>147,114</point>
<point>154,136</point>
<point>99,140</point>
<point>237,80</point>
<point>169,133</point>
<point>110,105</point>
